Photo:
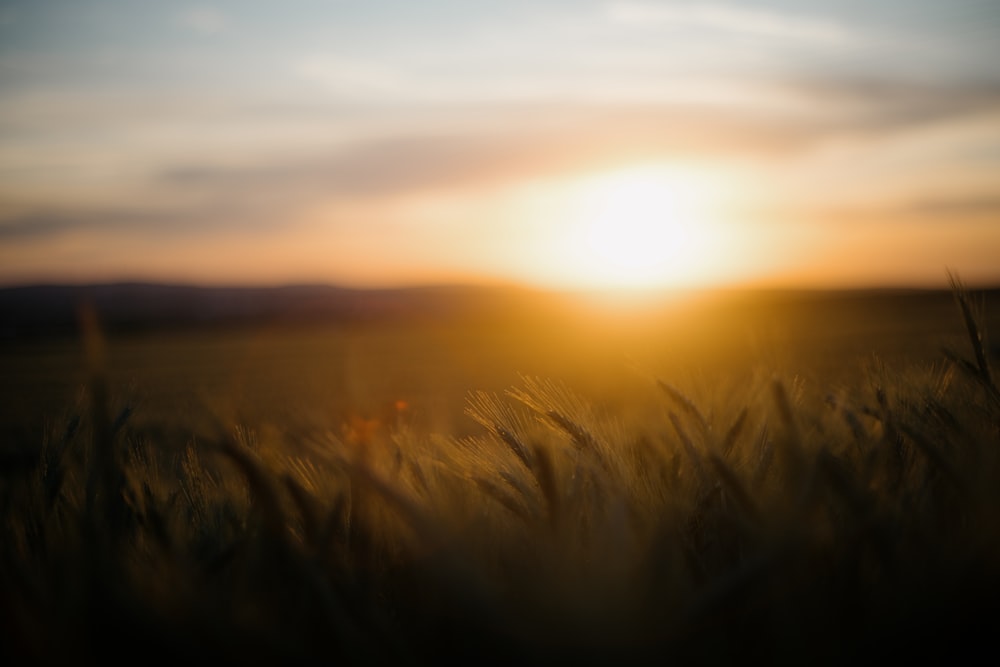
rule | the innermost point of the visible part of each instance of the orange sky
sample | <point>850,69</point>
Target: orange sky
<point>555,143</point>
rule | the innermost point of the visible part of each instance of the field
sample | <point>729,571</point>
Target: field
<point>784,478</point>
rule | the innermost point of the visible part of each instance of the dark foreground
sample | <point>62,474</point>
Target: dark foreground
<point>780,519</point>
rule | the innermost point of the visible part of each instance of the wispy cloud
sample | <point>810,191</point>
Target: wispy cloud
<point>45,223</point>
<point>146,219</point>
<point>733,19</point>
<point>871,105</point>
<point>982,205</point>
<point>343,74</point>
<point>211,190</point>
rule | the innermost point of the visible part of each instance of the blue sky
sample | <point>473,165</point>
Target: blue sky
<point>396,142</point>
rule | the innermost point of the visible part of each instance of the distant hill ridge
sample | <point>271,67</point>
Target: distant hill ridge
<point>38,311</point>
<point>34,310</point>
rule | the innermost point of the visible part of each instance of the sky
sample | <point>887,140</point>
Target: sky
<point>555,143</point>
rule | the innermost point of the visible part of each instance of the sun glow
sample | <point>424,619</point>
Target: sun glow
<point>645,226</point>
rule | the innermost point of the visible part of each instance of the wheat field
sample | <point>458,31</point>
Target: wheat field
<point>740,513</point>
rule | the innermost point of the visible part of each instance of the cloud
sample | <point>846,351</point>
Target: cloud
<point>128,219</point>
<point>377,167</point>
<point>752,114</point>
<point>346,74</point>
<point>984,205</point>
<point>732,19</point>
<point>446,147</point>
<point>520,141</point>
<point>44,223</point>
<point>869,106</point>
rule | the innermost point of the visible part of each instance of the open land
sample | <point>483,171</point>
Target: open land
<point>499,475</point>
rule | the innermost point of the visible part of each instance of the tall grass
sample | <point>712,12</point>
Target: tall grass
<point>792,524</point>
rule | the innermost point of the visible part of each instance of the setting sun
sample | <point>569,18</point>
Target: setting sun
<point>641,223</point>
<point>645,226</point>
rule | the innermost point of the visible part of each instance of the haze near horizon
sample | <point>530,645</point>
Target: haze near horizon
<point>558,144</point>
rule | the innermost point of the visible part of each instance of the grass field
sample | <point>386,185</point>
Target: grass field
<point>783,478</point>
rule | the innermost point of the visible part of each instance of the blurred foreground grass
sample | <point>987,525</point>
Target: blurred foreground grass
<point>743,513</point>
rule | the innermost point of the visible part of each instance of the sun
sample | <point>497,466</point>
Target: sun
<point>636,222</point>
<point>642,226</point>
